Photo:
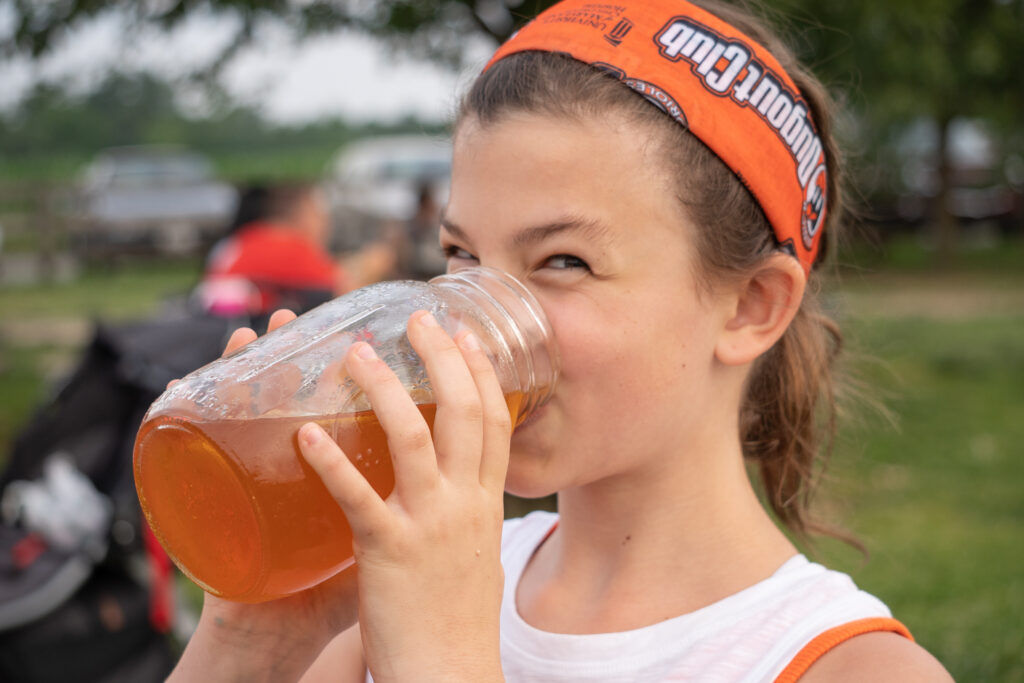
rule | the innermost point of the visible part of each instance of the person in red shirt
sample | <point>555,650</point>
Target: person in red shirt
<point>279,258</point>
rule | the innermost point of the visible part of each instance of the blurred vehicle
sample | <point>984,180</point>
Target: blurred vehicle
<point>379,180</point>
<point>986,183</point>
<point>148,198</point>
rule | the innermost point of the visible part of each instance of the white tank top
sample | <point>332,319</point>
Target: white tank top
<point>752,635</point>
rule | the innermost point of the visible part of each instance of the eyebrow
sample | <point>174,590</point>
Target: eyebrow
<point>587,228</point>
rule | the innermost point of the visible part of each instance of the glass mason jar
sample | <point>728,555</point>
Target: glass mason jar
<point>219,474</point>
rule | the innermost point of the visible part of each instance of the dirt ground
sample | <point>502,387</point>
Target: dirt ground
<point>935,296</point>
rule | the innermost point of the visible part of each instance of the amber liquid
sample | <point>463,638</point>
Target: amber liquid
<point>238,509</point>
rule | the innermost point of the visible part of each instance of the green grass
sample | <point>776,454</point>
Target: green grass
<point>938,498</point>
<point>21,388</point>
<point>114,292</point>
<point>237,165</point>
<point>28,368</point>
<point>308,163</point>
<point>909,253</point>
<point>293,163</point>
<point>43,169</point>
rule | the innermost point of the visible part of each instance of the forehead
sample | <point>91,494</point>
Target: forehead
<point>527,170</point>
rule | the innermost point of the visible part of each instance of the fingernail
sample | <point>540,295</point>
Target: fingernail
<point>428,320</point>
<point>469,342</point>
<point>365,351</point>
<point>311,433</point>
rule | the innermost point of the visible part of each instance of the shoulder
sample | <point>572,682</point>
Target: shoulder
<point>880,657</point>
<point>842,633</point>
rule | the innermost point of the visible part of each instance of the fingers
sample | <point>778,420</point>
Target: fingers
<point>238,339</point>
<point>472,426</point>
<point>279,318</point>
<point>458,426</point>
<point>244,335</point>
<point>497,427</point>
<point>363,507</point>
<point>409,438</point>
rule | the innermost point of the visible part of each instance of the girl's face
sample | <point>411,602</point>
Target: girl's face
<point>584,215</point>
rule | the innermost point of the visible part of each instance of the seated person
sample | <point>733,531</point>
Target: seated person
<point>278,257</point>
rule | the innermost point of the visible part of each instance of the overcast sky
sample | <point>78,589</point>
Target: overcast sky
<point>344,74</point>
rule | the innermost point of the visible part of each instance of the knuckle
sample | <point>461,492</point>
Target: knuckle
<point>358,500</point>
<point>331,467</point>
<point>499,419</point>
<point>468,408</point>
<point>415,439</point>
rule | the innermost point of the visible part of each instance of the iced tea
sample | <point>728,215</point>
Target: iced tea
<point>238,509</point>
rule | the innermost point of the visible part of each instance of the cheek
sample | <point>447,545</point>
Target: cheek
<point>588,342</point>
<point>606,363</point>
<point>635,356</point>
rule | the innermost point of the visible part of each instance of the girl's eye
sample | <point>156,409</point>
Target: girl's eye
<point>453,252</point>
<point>566,262</point>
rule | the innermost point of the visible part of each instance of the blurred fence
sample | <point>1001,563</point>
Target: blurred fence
<point>34,233</point>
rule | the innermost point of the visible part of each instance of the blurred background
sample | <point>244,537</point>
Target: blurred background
<point>137,138</point>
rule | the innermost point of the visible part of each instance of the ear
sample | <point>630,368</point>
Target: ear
<point>763,305</point>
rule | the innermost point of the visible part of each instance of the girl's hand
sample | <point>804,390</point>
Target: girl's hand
<point>271,641</point>
<point>430,576</point>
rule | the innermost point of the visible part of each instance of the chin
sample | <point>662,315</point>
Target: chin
<point>533,449</point>
<point>530,492</point>
<point>528,477</point>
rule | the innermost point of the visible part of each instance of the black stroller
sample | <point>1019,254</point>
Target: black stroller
<point>86,594</point>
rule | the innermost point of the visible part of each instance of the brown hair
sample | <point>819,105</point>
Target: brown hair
<point>787,418</point>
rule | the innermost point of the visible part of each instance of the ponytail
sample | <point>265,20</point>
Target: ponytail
<point>788,416</point>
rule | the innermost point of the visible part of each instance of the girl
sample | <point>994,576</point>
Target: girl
<point>662,177</point>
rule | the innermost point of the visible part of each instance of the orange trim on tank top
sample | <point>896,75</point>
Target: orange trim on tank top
<point>821,644</point>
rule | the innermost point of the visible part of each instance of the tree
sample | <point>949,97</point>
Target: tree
<point>432,28</point>
<point>123,109</point>
<point>893,62</point>
<point>896,62</point>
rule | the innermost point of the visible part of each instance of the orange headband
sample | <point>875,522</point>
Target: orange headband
<point>725,88</point>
